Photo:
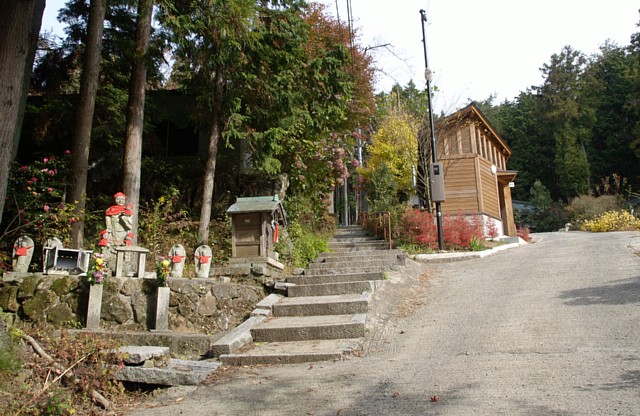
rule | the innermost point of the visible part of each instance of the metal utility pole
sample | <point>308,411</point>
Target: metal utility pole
<point>434,157</point>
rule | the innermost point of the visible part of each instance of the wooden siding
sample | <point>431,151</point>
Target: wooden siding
<point>460,186</point>
<point>489,189</point>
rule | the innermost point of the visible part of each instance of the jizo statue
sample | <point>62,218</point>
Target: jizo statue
<point>177,256</point>
<point>119,224</point>
<point>22,254</point>
<point>202,259</point>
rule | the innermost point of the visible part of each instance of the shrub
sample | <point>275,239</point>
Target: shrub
<point>587,207</point>
<point>419,228</point>
<point>611,221</point>
<point>524,233</point>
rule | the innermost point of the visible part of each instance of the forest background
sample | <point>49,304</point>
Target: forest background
<point>279,89</point>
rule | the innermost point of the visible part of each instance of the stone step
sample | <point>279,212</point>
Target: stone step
<point>340,288</point>
<point>348,304</point>
<point>346,247</point>
<point>360,262</point>
<point>294,352</point>
<point>304,328</point>
<point>176,373</point>
<point>333,256</point>
<point>334,278</point>
<point>351,270</point>
<point>363,238</point>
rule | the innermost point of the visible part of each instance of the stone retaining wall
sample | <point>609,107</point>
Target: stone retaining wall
<point>202,306</point>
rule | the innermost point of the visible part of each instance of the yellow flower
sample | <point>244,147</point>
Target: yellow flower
<point>99,262</point>
<point>165,263</point>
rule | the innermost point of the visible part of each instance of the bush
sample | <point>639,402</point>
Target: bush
<point>611,221</point>
<point>587,207</point>
<point>459,231</point>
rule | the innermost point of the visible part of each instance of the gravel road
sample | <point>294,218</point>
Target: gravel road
<point>550,328</point>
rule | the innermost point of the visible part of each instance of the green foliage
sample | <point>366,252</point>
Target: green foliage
<point>309,229</point>
<point>548,215</point>
<point>382,189</point>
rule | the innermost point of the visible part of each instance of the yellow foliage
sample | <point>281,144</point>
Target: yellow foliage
<point>611,221</point>
<point>396,145</point>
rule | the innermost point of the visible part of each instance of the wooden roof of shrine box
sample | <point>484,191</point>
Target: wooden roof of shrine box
<point>255,222</point>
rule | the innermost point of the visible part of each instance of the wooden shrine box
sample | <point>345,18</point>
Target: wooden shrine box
<point>256,223</point>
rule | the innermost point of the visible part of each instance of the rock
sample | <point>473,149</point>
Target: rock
<point>207,305</point>
<point>60,314</point>
<point>35,307</point>
<point>223,322</point>
<point>117,309</point>
<point>224,291</point>
<point>64,285</point>
<point>134,355</point>
<point>139,304</point>
<point>179,372</point>
<point>9,298</point>
<point>28,286</point>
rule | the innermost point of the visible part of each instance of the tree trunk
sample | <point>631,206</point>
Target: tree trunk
<point>19,27</point>
<point>135,112</point>
<point>84,117</point>
<point>210,167</point>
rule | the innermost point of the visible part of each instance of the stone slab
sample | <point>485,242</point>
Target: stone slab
<point>346,304</point>
<point>294,352</point>
<point>178,372</point>
<point>237,337</point>
<point>135,355</point>
<point>338,288</point>
<point>301,328</point>
<point>335,278</point>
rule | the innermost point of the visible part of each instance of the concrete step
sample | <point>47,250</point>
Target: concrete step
<point>294,352</point>
<point>360,262</point>
<point>334,278</point>
<point>346,247</point>
<point>340,288</point>
<point>303,328</point>
<point>351,270</point>
<point>350,255</point>
<point>352,303</point>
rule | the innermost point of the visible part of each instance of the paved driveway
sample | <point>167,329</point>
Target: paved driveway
<point>551,328</point>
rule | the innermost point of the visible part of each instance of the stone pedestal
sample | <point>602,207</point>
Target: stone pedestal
<point>135,250</point>
<point>95,306</point>
<point>162,309</point>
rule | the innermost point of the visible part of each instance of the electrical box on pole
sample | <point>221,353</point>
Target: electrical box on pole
<point>436,179</point>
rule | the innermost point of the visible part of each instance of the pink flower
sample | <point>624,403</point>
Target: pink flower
<point>34,180</point>
<point>301,177</point>
<point>23,168</point>
<point>45,160</point>
<point>49,190</point>
<point>355,163</point>
<point>46,208</point>
<point>67,152</point>
<point>51,173</point>
<point>45,170</point>
<point>51,158</point>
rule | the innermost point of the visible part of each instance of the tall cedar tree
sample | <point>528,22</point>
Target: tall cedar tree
<point>132,162</point>
<point>210,38</point>
<point>19,26</point>
<point>84,118</point>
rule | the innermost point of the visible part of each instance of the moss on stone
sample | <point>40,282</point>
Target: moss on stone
<point>28,286</point>
<point>35,307</point>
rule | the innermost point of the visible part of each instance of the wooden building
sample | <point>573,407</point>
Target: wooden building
<point>474,160</point>
<point>256,223</point>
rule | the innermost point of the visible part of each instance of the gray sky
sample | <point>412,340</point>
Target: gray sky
<point>475,48</point>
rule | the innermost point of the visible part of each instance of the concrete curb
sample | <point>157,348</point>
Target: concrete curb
<point>451,257</point>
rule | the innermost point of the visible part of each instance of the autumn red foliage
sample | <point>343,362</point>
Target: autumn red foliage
<point>419,227</point>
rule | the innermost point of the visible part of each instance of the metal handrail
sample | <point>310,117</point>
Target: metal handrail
<point>379,223</point>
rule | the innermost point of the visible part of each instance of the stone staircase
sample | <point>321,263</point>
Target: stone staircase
<point>323,315</point>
